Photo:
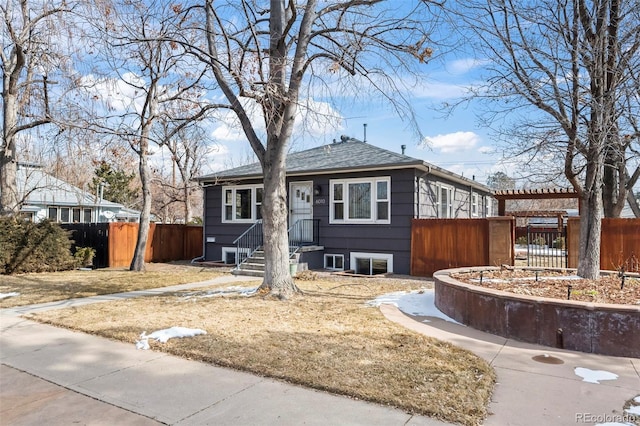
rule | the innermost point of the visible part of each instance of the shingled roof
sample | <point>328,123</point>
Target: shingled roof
<point>347,155</point>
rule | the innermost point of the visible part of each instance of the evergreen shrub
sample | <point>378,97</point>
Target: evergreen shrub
<point>34,247</point>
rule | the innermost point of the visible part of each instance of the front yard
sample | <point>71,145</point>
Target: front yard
<point>327,339</point>
<point>28,289</point>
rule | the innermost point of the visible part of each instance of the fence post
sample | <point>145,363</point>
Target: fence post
<point>501,234</point>
<point>573,241</point>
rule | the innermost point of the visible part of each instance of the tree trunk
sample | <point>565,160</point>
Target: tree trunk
<point>188,211</point>
<point>591,208</point>
<point>631,199</point>
<point>137,263</point>
<point>615,192</point>
<point>590,228</point>
<point>9,202</point>
<point>277,276</point>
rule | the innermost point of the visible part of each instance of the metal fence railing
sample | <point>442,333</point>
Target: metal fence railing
<point>546,248</point>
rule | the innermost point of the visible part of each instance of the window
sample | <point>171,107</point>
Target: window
<point>371,263</point>
<point>27,216</point>
<point>242,203</point>
<point>76,215</point>
<point>334,262</point>
<point>229,254</point>
<point>445,201</point>
<point>53,214</point>
<point>64,214</point>
<point>338,201</point>
<point>474,204</point>
<point>361,200</point>
<point>259,195</point>
<point>87,215</point>
<point>487,208</point>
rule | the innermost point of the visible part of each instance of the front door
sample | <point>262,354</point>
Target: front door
<point>301,211</point>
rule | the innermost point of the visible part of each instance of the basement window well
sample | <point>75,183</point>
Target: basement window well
<point>371,263</point>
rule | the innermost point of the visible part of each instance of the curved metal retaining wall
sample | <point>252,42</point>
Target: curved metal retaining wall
<point>586,327</point>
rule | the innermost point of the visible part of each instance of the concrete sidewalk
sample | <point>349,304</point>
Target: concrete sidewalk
<point>55,376</point>
<point>529,392</point>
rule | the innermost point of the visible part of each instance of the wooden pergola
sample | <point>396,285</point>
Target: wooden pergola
<point>531,194</point>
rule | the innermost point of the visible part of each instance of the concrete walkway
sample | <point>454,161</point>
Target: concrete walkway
<point>535,393</point>
<point>55,376</point>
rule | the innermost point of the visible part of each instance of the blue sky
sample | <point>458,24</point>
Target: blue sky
<point>456,141</point>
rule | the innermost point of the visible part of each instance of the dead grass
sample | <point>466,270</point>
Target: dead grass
<point>327,339</point>
<point>50,287</point>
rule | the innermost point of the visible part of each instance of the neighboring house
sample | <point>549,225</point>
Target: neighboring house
<point>350,206</point>
<point>47,197</point>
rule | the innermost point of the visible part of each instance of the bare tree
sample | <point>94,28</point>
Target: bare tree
<point>189,150</point>
<point>572,61</point>
<point>149,74</point>
<point>273,54</point>
<point>30,65</point>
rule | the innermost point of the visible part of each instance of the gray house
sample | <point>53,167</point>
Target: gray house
<point>350,207</point>
<point>47,197</point>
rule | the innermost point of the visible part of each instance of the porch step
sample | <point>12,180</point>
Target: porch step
<point>248,273</point>
<point>254,266</point>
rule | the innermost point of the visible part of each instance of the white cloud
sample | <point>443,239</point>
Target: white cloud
<point>436,90</point>
<point>452,142</point>
<point>486,150</point>
<point>117,95</point>
<point>463,66</point>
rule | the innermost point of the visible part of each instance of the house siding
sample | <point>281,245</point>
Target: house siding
<point>393,238</point>
<point>427,188</point>
<point>224,233</point>
<point>412,195</point>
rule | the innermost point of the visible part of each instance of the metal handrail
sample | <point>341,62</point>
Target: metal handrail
<point>302,232</point>
<point>251,240</point>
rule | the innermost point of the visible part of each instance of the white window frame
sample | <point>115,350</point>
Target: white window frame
<point>345,200</point>
<point>372,256</point>
<point>254,204</point>
<point>474,204</point>
<point>487,206</point>
<point>57,216</point>
<point>235,251</point>
<point>451,193</point>
<point>334,256</point>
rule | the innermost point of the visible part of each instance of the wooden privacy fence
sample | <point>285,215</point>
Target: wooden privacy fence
<point>166,243</point>
<point>450,243</point>
<point>619,244</point>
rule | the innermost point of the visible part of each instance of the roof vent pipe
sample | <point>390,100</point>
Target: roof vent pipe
<point>365,132</point>
<point>403,148</point>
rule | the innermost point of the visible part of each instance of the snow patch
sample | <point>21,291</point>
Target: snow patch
<point>635,410</point>
<point>221,292</point>
<point>417,302</point>
<point>12,294</point>
<point>163,336</point>
<point>594,376</point>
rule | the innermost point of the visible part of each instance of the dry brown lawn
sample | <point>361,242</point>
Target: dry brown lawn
<point>50,287</point>
<point>327,339</point>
